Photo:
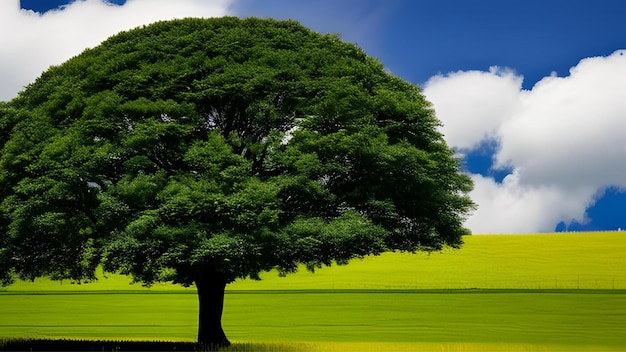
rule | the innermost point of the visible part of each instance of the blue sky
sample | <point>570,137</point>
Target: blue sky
<point>530,92</point>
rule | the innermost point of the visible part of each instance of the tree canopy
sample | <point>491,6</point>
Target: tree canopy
<point>206,150</point>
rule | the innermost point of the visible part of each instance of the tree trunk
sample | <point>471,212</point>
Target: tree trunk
<point>211,301</point>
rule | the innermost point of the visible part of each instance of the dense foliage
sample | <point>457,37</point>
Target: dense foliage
<point>205,150</point>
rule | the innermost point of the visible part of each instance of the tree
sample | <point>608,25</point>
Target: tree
<point>200,151</point>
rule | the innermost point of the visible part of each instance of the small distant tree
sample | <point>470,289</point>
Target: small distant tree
<point>200,151</point>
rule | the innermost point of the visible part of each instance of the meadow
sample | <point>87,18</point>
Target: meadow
<point>499,292</point>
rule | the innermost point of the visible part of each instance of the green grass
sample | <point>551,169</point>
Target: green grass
<point>99,316</point>
<point>576,260</point>
<point>537,292</point>
<point>573,260</point>
<point>479,317</point>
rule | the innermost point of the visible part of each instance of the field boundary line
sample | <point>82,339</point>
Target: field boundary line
<point>433,291</point>
<point>95,292</point>
<point>328,291</point>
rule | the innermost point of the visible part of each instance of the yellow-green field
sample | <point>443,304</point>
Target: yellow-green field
<point>499,292</point>
<point>575,260</point>
<point>590,260</point>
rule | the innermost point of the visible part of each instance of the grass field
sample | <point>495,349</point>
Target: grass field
<point>565,318</point>
<point>592,260</point>
<point>522,292</point>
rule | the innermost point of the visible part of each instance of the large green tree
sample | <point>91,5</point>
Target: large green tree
<point>200,151</point>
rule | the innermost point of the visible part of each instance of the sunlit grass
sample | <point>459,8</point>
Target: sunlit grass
<point>558,296</point>
<point>592,260</point>
<point>550,318</point>
<point>320,347</point>
<point>413,347</point>
<point>572,260</point>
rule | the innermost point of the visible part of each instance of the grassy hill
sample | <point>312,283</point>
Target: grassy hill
<point>590,260</point>
<point>572,260</point>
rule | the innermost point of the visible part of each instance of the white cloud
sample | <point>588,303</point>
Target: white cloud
<point>513,207</point>
<point>465,102</point>
<point>565,139</point>
<point>32,42</point>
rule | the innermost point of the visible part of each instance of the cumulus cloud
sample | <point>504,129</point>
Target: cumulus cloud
<point>565,140</point>
<point>32,42</point>
<point>464,101</point>
<point>515,207</point>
